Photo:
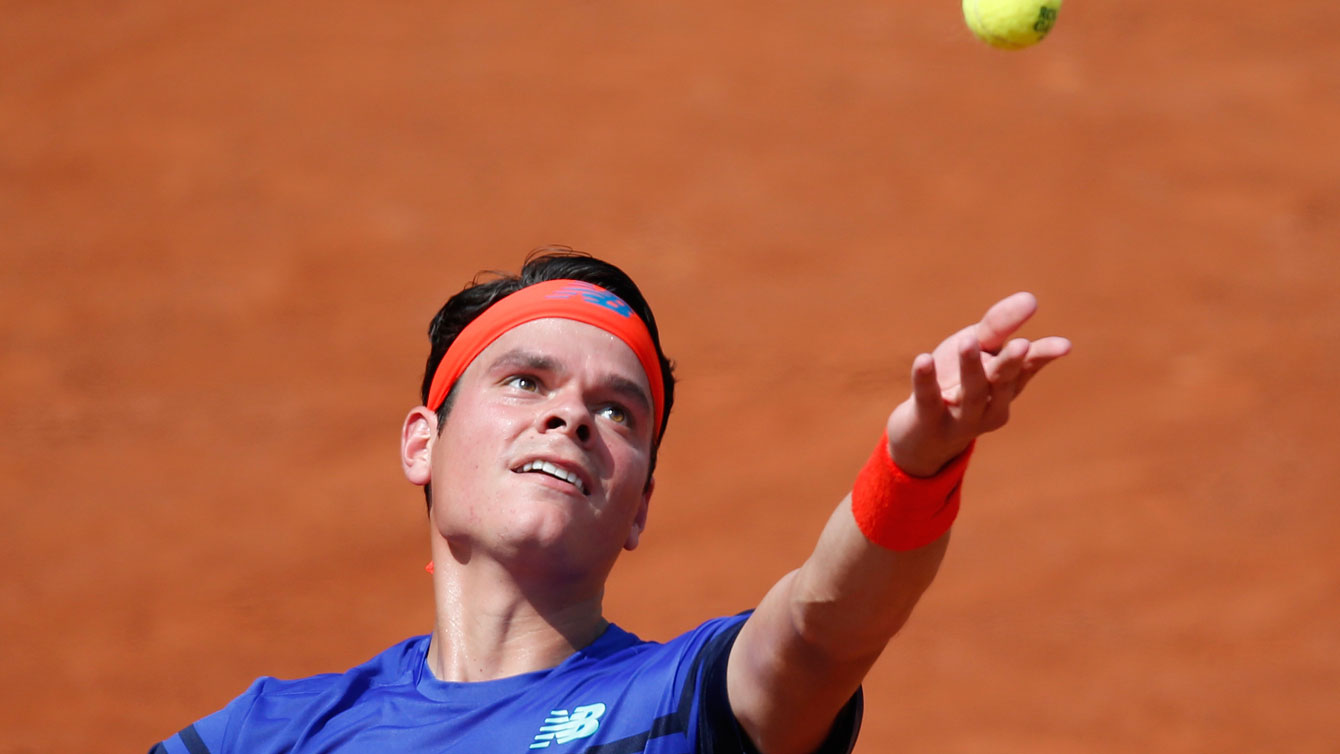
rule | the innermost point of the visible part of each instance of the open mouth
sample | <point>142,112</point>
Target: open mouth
<point>544,467</point>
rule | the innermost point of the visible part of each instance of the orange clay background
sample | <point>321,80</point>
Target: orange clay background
<point>224,228</point>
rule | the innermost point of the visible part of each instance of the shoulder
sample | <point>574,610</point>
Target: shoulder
<point>393,666</point>
<point>687,675</point>
<point>271,713</point>
<point>626,692</point>
<point>623,653</point>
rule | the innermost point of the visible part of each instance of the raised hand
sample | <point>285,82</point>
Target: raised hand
<point>964,387</point>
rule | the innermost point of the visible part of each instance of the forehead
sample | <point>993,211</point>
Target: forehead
<point>570,345</point>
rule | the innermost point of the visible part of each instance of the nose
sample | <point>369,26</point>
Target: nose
<point>567,415</point>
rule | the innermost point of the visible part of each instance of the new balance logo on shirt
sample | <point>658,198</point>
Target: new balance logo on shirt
<point>561,727</point>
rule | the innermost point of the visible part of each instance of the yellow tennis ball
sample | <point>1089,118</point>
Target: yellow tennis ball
<point>1010,24</point>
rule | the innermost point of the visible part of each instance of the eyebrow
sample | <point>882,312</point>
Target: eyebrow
<point>521,358</point>
<point>632,392</point>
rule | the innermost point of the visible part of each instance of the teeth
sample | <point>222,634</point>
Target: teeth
<point>556,472</point>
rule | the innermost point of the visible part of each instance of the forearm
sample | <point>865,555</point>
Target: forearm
<point>851,596</point>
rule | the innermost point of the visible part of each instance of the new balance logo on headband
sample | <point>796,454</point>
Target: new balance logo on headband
<point>561,727</point>
<point>594,295</point>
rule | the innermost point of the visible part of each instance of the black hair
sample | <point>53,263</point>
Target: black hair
<point>544,263</point>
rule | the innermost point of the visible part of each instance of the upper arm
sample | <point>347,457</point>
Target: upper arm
<point>784,693</point>
<point>803,653</point>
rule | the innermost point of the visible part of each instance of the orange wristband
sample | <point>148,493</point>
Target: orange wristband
<point>902,512</point>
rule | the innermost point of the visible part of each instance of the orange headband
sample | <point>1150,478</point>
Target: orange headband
<point>558,299</point>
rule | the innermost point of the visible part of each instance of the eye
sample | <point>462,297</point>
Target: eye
<point>616,414</point>
<point>523,382</point>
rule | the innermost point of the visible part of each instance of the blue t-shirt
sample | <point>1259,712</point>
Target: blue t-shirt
<point>619,695</point>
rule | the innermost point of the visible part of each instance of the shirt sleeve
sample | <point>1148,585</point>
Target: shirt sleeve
<point>208,734</point>
<point>185,741</point>
<point>719,731</point>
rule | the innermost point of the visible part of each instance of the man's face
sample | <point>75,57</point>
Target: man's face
<point>546,449</point>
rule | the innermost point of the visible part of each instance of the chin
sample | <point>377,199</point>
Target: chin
<point>536,528</point>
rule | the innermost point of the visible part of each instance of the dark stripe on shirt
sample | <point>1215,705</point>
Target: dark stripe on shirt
<point>194,744</point>
<point>662,726</point>
<point>677,721</point>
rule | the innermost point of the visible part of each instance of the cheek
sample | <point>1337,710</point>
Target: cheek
<point>462,459</point>
<point>475,432</point>
<point>631,470</point>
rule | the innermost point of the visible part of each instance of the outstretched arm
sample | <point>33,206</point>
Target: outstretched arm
<point>810,642</point>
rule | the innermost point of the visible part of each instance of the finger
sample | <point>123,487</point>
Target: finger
<point>1003,373</point>
<point>972,376</point>
<point>1041,353</point>
<point>1006,366</point>
<point>1049,348</point>
<point>926,385</point>
<point>1003,319</point>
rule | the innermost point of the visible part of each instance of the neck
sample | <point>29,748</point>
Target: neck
<point>490,624</point>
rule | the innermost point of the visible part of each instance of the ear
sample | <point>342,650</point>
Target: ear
<point>417,437</point>
<point>640,518</point>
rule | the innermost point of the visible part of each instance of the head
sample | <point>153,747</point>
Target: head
<point>541,265</point>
